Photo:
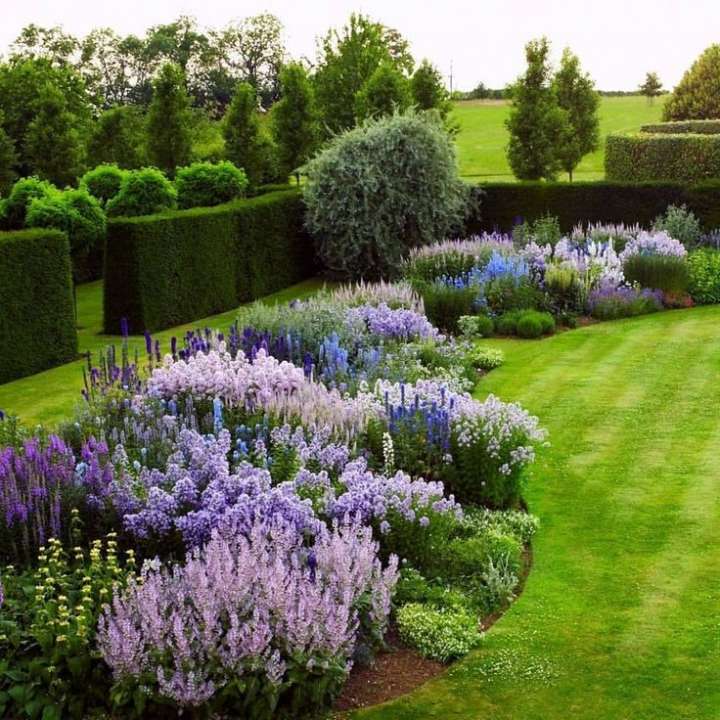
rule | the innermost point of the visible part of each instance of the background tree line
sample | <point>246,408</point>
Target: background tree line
<point>182,93</point>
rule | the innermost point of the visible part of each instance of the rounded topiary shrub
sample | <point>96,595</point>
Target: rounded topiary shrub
<point>529,326</point>
<point>142,192</point>
<point>381,189</point>
<point>203,184</point>
<point>103,182</point>
<point>22,194</point>
<point>78,214</point>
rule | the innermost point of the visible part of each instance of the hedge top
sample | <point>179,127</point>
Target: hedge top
<point>700,127</point>
<point>9,236</point>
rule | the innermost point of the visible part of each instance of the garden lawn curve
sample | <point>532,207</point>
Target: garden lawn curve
<point>619,617</point>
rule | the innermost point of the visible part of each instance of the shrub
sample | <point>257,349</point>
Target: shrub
<point>37,322</point>
<point>22,194</point>
<point>206,184</point>
<point>684,158</point>
<point>103,182</point>
<point>677,127</point>
<point>543,231</point>
<point>528,326</point>
<point>445,302</point>
<point>681,224</point>
<point>507,324</point>
<point>704,275</point>
<point>520,525</point>
<point>142,192</point>
<point>696,95</point>
<point>381,189</point>
<point>473,326</point>
<point>486,358</point>
<point>163,271</point>
<point>660,272</point>
<point>563,289</point>
<point>441,635</point>
<point>79,215</point>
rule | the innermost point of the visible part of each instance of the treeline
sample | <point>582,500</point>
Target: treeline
<point>180,94</point>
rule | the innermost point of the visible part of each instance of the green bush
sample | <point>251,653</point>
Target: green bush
<point>441,635</point>
<point>381,189</point>
<point>681,224</point>
<point>474,326</point>
<point>484,358</point>
<point>677,127</point>
<point>704,276</point>
<point>103,182</point>
<point>37,321</point>
<point>205,184</point>
<point>525,323</point>
<point>171,268</point>
<point>685,158</point>
<point>22,194</point>
<point>596,202</point>
<point>142,192</point>
<point>657,272</point>
<point>79,215</point>
<point>446,304</point>
<point>529,326</point>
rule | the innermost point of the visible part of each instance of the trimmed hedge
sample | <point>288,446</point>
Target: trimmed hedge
<point>178,266</point>
<point>504,204</point>
<point>37,314</point>
<point>683,157</point>
<point>674,127</point>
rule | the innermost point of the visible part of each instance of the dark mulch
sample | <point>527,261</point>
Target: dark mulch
<point>391,674</point>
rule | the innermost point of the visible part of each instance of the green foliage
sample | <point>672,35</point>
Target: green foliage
<point>564,292</point>
<point>347,58</point>
<point>685,158</point>
<point>446,304</point>
<point>699,127</point>
<point>681,224</point>
<point>381,189</point>
<point>80,216</point>
<point>475,326</point>
<point>142,192</point>
<point>24,84</point>
<point>173,268</point>
<point>22,194</point>
<point>118,137</point>
<point>697,96</point>
<point>48,662</point>
<point>295,119</point>
<point>576,95</point>
<point>428,89</point>
<point>484,358</point>
<point>651,87</point>
<point>658,272</point>
<point>103,182</point>
<point>441,635</point>
<point>520,525</point>
<point>543,231</point>
<point>446,264</point>
<point>169,137</point>
<point>37,322</point>
<point>8,158</point>
<point>386,91</point>
<point>206,184</point>
<point>54,147</point>
<point>525,323</point>
<point>581,202</point>
<point>241,130</point>
<point>536,121</point>
<point>704,271</point>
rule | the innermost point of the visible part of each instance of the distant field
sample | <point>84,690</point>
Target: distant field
<point>483,137</point>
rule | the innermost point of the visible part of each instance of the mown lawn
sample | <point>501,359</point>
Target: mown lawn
<point>619,618</point>
<point>50,396</point>
<point>482,139</point>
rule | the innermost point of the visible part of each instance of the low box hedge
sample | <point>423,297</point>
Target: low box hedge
<point>702,127</point>
<point>682,157</point>
<point>178,266</point>
<point>505,204</point>
<point>37,314</point>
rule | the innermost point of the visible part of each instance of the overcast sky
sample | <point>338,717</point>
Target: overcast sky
<point>617,40</point>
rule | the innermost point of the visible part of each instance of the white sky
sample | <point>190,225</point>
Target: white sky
<point>617,40</point>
